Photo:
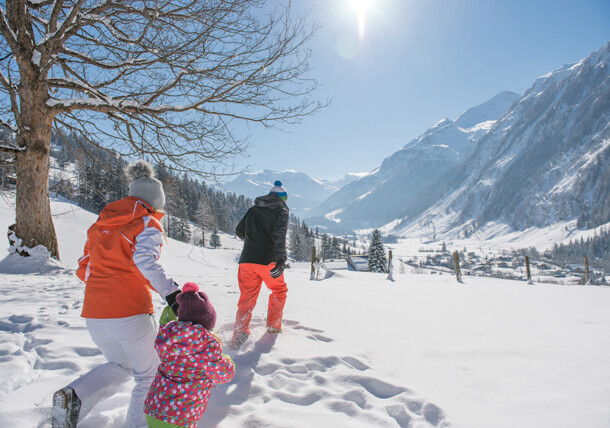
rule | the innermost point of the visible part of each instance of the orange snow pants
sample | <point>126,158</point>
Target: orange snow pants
<point>250,277</point>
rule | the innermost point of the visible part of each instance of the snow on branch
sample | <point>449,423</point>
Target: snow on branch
<point>110,105</point>
<point>69,24</point>
<point>7,147</point>
<point>40,3</point>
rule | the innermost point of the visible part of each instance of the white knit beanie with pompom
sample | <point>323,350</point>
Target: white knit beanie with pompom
<point>144,185</point>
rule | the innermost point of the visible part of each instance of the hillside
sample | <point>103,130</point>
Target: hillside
<point>357,350</point>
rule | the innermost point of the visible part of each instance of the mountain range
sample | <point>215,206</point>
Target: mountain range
<point>530,160</point>
<point>546,161</point>
<point>403,184</point>
<point>304,192</point>
<point>524,161</point>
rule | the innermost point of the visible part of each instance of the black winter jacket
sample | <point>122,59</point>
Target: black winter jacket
<point>264,229</point>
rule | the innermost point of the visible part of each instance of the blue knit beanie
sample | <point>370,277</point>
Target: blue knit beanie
<point>281,192</point>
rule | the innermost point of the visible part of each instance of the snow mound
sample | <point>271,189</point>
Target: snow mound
<point>39,261</point>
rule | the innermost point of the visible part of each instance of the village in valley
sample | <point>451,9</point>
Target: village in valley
<point>504,265</point>
<point>433,259</point>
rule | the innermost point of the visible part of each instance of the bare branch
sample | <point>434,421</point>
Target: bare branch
<point>7,32</point>
<point>12,91</point>
<point>172,79</point>
<point>69,24</point>
<point>57,7</point>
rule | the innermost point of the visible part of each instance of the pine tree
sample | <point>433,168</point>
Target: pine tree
<point>377,259</point>
<point>296,244</point>
<point>180,227</point>
<point>215,238</point>
<point>240,209</point>
<point>326,247</point>
<point>335,248</point>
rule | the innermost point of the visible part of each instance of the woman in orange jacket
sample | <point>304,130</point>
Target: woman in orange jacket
<point>120,267</point>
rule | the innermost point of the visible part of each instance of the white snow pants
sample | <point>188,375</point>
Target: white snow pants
<point>128,345</point>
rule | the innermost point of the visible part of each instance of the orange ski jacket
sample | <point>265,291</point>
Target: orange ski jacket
<point>120,262</point>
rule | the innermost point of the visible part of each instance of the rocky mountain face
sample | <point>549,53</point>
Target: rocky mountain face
<point>528,161</point>
<point>546,161</point>
<point>406,182</point>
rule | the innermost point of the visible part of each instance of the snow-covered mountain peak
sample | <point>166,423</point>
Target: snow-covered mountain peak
<point>553,143</point>
<point>442,123</point>
<point>479,164</point>
<point>493,109</point>
<point>600,56</point>
<point>467,128</point>
<point>444,134</point>
<point>401,179</point>
<point>553,78</point>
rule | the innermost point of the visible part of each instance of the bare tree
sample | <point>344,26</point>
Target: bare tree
<point>170,79</point>
<point>205,218</point>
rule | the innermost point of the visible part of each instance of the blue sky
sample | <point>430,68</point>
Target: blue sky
<point>417,62</point>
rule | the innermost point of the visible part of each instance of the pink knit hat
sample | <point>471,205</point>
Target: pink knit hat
<point>195,307</point>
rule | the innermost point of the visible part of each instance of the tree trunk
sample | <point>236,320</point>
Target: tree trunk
<point>34,225</point>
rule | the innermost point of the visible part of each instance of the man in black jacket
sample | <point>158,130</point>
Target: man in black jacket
<point>263,257</point>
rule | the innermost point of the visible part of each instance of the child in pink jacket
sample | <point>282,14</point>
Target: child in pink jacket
<point>191,364</point>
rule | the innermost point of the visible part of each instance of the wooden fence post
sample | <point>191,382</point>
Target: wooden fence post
<point>527,269</point>
<point>458,273</point>
<point>587,277</point>
<point>312,275</point>
<point>390,268</point>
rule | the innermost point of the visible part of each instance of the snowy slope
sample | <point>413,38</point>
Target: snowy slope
<point>356,351</point>
<point>401,186</point>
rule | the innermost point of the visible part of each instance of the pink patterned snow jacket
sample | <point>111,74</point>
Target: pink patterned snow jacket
<point>191,364</point>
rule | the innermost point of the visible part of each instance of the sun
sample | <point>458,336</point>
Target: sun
<point>361,8</point>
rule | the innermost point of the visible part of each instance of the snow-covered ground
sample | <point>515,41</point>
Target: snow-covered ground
<point>357,350</point>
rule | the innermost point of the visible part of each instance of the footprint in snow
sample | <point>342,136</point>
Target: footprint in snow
<point>19,324</point>
<point>341,388</point>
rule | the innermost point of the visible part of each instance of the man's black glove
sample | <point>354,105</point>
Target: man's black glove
<point>278,269</point>
<point>172,302</point>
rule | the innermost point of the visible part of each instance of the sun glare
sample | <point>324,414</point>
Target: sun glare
<point>361,7</point>
<point>364,12</point>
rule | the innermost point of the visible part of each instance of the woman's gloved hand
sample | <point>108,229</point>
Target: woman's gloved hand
<point>278,269</point>
<point>172,302</point>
